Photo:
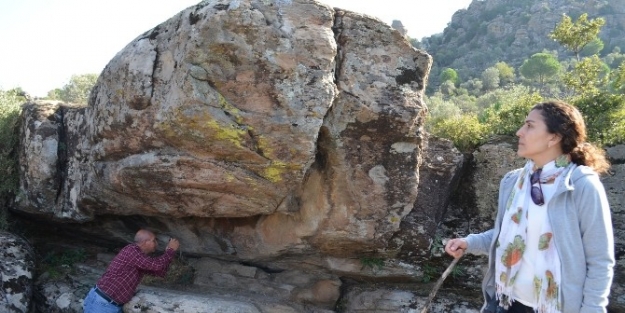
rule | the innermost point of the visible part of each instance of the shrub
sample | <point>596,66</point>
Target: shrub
<point>465,131</point>
<point>58,263</point>
<point>605,118</point>
<point>9,116</point>
<point>506,118</point>
<point>373,263</point>
<point>78,88</point>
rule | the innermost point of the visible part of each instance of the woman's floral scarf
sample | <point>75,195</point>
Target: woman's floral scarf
<point>512,243</point>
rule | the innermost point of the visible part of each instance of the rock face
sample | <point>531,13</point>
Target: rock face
<point>492,161</point>
<point>439,176</point>
<point>248,129</point>
<point>17,265</point>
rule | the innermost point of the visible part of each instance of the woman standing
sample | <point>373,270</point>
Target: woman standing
<point>552,248</point>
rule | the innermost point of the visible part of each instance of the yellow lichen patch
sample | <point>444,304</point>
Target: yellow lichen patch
<point>263,145</point>
<point>274,171</point>
<point>226,106</point>
<point>395,219</point>
<point>199,126</point>
<point>229,132</point>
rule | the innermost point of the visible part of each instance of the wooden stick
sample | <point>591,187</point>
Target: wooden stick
<point>438,285</point>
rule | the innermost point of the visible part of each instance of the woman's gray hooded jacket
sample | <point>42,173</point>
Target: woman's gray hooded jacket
<point>580,218</point>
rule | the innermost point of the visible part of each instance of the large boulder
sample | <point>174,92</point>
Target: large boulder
<point>17,266</point>
<point>248,129</point>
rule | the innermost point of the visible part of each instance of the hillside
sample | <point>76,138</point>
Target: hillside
<point>489,31</point>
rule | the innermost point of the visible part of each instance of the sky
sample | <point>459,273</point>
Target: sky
<point>45,42</point>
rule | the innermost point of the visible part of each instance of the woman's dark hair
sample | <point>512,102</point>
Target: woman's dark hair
<point>565,120</point>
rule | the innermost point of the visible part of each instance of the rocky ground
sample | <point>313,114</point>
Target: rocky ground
<point>67,267</point>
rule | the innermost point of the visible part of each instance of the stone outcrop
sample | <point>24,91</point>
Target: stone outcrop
<point>492,161</point>
<point>439,176</point>
<point>291,286</point>
<point>247,129</point>
<point>17,266</point>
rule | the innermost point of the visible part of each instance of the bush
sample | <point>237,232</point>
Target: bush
<point>507,118</point>
<point>438,107</point>
<point>501,112</point>
<point>465,131</point>
<point>9,116</point>
<point>78,89</point>
<point>605,118</point>
<point>58,263</point>
<point>501,96</point>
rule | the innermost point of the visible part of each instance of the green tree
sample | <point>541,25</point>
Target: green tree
<point>592,48</point>
<point>54,94</point>
<point>448,88</point>
<point>439,108</point>
<point>588,76</point>
<point>490,78</point>
<point>500,96</point>
<point>540,67</point>
<point>575,36</point>
<point>604,114</point>
<point>615,58</point>
<point>506,73</point>
<point>618,83</point>
<point>506,118</point>
<point>415,43</point>
<point>78,88</point>
<point>473,86</point>
<point>449,74</point>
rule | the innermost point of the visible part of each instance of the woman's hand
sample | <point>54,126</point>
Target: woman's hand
<point>455,247</point>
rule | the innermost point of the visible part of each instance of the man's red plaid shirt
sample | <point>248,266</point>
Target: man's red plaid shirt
<point>128,268</point>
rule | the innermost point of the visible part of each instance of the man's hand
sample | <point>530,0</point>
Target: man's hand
<point>173,244</point>
<point>456,247</point>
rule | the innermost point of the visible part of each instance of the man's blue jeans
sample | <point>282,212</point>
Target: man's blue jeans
<point>95,304</point>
